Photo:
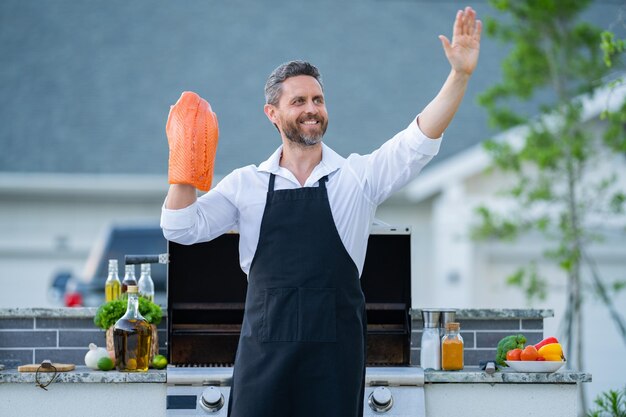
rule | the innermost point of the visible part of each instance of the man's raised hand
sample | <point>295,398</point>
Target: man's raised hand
<point>462,52</point>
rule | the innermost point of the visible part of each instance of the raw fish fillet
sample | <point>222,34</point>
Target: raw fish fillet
<point>192,133</point>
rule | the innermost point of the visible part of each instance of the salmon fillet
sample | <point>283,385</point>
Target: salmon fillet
<point>192,133</point>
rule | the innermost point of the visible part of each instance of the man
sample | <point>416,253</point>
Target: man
<point>303,217</point>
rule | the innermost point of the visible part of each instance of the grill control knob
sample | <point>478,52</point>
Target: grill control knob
<point>212,399</point>
<point>380,400</point>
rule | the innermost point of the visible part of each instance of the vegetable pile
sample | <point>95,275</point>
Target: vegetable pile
<point>110,312</point>
<point>511,348</point>
<point>509,343</point>
<point>94,355</point>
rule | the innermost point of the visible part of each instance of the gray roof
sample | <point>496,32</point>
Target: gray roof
<point>86,86</point>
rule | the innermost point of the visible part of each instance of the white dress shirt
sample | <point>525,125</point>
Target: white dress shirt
<point>356,186</point>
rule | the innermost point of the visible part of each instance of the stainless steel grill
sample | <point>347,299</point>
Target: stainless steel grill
<point>206,293</point>
<point>389,391</point>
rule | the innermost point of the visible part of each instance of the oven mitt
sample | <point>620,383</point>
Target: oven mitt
<point>192,135</point>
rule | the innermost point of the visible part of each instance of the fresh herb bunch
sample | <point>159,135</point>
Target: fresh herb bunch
<point>611,403</point>
<point>110,312</point>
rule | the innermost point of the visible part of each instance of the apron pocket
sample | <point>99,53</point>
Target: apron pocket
<point>318,321</point>
<point>280,315</point>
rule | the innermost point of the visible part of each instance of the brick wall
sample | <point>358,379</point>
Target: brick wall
<point>62,340</point>
<point>66,340</point>
<point>481,336</point>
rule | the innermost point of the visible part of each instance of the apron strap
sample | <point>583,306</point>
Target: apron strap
<point>322,181</point>
<point>270,187</point>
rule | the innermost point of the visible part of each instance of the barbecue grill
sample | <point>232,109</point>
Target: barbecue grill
<point>206,296</point>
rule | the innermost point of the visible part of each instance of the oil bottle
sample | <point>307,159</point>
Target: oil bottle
<point>146,285</point>
<point>129,277</point>
<point>132,335</point>
<point>112,286</point>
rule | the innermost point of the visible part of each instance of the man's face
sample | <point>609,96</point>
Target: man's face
<point>301,112</point>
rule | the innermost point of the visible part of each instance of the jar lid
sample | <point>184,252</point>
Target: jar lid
<point>450,326</point>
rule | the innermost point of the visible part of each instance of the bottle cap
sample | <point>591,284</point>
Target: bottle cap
<point>131,289</point>
<point>452,326</point>
<point>430,317</point>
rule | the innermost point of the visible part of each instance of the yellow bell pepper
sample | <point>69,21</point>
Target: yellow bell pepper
<point>552,352</point>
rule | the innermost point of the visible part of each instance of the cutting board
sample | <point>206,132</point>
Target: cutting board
<point>61,367</point>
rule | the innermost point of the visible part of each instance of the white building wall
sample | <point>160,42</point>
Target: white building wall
<point>49,223</point>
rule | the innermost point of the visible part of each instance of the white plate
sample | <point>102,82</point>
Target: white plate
<point>535,366</point>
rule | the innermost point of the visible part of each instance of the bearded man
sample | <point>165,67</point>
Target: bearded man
<point>304,217</point>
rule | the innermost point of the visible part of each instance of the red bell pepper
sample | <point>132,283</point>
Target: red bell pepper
<point>546,341</point>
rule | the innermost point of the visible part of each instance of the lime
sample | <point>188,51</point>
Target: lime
<point>159,361</point>
<point>105,363</point>
<point>131,364</point>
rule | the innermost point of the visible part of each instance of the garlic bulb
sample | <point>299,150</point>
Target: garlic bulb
<point>94,354</point>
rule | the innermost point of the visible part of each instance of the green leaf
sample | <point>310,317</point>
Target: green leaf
<point>618,286</point>
<point>516,278</point>
<point>503,155</point>
<point>611,403</point>
<point>528,279</point>
<point>536,286</point>
<point>492,226</point>
<point>611,47</point>
<point>542,223</point>
<point>617,202</point>
<point>110,312</point>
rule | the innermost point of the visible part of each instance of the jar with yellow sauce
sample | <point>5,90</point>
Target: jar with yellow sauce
<point>452,348</point>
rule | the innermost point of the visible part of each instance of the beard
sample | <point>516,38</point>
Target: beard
<point>296,134</point>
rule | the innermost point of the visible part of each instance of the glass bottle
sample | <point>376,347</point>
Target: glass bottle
<point>112,286</point>
<point>132,335</point>
<point>430,349</point>
<point>452,348</point>
<point>146,285</point>
<point>430,352</point>
<point>129,278</point>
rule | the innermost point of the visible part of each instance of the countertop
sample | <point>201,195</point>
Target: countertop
<point>473,375</point>
<point>470,313</point>
<point>470,375</point>
<point>83,374</point>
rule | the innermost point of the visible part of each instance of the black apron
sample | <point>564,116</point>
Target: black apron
<point>302,347</point>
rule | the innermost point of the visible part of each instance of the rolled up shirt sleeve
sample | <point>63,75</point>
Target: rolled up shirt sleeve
<point>421,143</point>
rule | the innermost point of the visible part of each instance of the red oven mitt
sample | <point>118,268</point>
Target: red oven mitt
<point>192,135</point>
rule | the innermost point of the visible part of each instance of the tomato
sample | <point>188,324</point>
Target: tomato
<point>540,358</point>
<point>529,353</point>
<point>513,355</point>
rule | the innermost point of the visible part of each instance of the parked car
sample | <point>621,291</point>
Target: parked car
<point>87,289</point>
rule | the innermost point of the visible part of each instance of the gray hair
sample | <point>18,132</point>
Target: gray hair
<point>273,85</point>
